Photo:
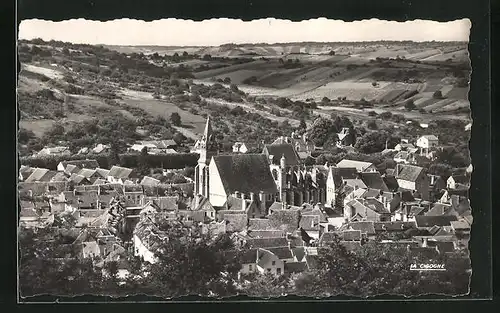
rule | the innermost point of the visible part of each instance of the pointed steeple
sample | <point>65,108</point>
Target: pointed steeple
<point>208,129</point>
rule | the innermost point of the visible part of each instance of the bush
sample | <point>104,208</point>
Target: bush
<point>175,118</point>
<point>437,94</point>
<point>410,105</point>
<point>385,115</point>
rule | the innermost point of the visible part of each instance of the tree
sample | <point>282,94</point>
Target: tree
<point>302,124</point>
<point>175,118</point>
<point>227,80</point>
<point>410,105</point>
<point>437,94</point>
<point>331,52</point>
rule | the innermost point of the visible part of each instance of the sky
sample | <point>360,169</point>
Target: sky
<point>214,32</point>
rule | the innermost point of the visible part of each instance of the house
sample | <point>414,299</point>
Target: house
<point>56,151</point>
<point>25,172</point>
<point>240,147</point>
<point>405,157</point>
<point>366,209</point>
<point>373,181</point>
<point>79,179</point>
<point>427,144</point>
<point>100,148</point>
<point>367,228</point>
<point>269,263</point>
<point>249,261</point>
<point>118,174</point>
<point>310,224</point>
<point>201,204</point>
<point>90,249</point>
<point>404,145</point>
<point>413,178</point>
<point>155,147</point>
<point>149,181</point>
<point>335,180</point>
<point>40,175</point>
<point>275,151</point>
<point>457,181</point>
<point>81,164</point>
<point>360,166</point>
<point>300,143</point>
<point>427,222</point>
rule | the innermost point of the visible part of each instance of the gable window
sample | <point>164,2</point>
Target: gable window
<point>274,263</point>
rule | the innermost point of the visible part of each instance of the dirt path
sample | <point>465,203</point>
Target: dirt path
<point>186,132</point>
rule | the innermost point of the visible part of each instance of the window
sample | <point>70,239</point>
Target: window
<point>278,271</point>
<point>274,263</point>
<point>250,267</point>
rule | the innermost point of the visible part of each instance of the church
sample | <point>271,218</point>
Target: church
<point>274,175</point>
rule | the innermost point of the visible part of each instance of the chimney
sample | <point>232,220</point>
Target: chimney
<point>425,243</point>
<point>252,196</point>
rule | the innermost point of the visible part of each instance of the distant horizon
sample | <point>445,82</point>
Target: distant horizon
<point>217,32</point>
<point>256,44</point>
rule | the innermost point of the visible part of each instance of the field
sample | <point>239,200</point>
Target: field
<point>385,74</point>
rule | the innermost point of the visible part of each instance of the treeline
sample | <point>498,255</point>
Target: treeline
<point>131,160</point>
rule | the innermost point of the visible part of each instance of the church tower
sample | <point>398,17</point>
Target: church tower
<point>207,148</point>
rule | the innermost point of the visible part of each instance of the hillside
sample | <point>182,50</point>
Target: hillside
<point>254,92</point>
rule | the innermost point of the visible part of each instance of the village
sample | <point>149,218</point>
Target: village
<point>273,205</point>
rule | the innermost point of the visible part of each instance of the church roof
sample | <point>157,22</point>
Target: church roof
<point>245,173</point>
<point>279,150</point>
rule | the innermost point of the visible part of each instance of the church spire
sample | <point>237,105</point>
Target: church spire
<point>208,129</point>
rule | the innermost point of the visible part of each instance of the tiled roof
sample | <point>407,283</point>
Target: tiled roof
<point>375,205</point>
<point>281,252</point>
<point>87,172</point>
<point>76,178</point>
<point>295,267</point>
<point>430,137</point>
<point>236,222</point>
<point>460,225</point>
<point>264,256</point>
<point>429,221</point>
<point>393,226</point>
<point>149,181</point>
<point>350,235</point>
<point>299,253</point>
<point>249,256</point>
<point>374,180</point>
<point>245,173</point>
<point>267,242</point>
<point>309,222</point>
<point>90,163</point>
<point>364,227</point>
<point>266,233</point>
<point>259,224</point>
<point>440,209</point>
<point>70,169</point>
<point>286,220</point>
<point>279,150</point>
<point>59,176</point>
<point>120,172</point>
<point>355,183</point>
<point>408,172</point>
<point>351,245</point>
<point>326,238</point>
<point>40,175</point>
<point>359,165</point>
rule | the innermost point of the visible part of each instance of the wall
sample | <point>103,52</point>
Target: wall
<point>141,250</point>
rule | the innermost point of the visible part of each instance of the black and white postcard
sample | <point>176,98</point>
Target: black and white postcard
<point>259,158</point>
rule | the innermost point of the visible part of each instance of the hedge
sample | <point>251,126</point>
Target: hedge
<point>171,161</point>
